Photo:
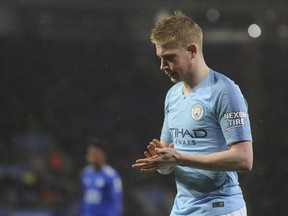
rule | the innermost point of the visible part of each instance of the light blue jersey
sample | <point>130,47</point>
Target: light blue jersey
<point>205,121</point>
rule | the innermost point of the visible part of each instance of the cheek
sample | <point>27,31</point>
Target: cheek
<point>183,62</point>
<point>89,158</point>
<point>92,157</point>
<point>186,64</point>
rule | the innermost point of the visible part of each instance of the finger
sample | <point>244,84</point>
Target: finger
<point>151,149</point>
<point>143,160</point>
<point>149,170</point>
<point>147,160</point>
<point>144,166</point>
<point>147,154</point>
<point>152,145</point>
<point>157,143</point>
<point>171,145</point>
<point>139,165</point>
<point>160,150</point>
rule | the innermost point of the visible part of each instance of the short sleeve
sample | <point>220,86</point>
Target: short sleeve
<point>232,113</point>
<point>165,132</point>
<point>115,208</point>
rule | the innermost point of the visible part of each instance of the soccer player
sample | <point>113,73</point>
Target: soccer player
<point>206,136</point>
<point>101,184</point>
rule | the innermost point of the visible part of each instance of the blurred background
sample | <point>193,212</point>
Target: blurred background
<point>72,69</point>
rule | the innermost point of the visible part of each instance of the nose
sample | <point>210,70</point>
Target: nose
<point>164,65</point>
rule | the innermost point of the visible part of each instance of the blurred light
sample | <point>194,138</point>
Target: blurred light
<point>29,178</point>
<point>226,35</point>
<point>282,31</point>
<point>270,15</point>
<point>254,31</point>
<point>213,15</point>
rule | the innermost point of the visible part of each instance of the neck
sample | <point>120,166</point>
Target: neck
<point>196,77</point>
<point>98,166</point>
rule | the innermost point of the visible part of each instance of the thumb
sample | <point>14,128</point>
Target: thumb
<point>171,145</point>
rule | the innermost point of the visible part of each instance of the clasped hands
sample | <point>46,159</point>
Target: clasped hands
<point>157,157</point>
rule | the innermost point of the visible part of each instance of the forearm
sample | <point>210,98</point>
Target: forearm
<point>238,158</point>
<point>235,159</point>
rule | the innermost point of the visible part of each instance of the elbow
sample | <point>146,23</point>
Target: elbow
<point>245,157</point>
<point>249,163</point>
<point>246,166</point>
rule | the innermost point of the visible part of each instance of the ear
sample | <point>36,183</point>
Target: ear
<point>192,49</point>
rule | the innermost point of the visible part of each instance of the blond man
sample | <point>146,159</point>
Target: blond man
<point>206,136</point>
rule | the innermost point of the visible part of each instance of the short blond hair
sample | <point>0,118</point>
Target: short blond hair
<point>179,30</point>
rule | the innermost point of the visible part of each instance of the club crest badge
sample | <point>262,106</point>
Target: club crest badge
<point>197,111</point>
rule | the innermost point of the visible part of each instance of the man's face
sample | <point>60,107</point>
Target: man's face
<point>95,156</point>
<point>175,62</point>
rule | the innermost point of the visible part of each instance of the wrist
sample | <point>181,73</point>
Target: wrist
<point>165,169</point>
<point>179,158</point>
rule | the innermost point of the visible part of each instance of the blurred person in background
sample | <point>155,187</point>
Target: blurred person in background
<point>100,183</point>
<point>206,136</point>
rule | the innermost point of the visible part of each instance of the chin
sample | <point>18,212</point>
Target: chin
<point>175,80</point>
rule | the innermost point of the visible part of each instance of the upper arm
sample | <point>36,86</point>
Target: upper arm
<point>242,147</point>
<point>232,114</point>
<point>244,151</point>
<point>166,137</point>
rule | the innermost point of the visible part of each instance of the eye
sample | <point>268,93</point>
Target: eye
<point>168,57</point>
